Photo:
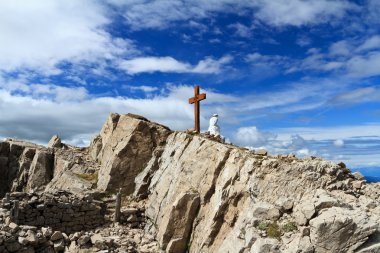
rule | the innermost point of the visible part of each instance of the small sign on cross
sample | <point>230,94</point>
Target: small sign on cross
<point>195,100</point>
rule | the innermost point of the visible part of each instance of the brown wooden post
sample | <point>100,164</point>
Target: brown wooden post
<point>195,100</point>
<point>117,207</point>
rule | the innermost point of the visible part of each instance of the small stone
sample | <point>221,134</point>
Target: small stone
<point>357,184</point>
<point>47,232</point>
<point>262,152</point>
<point>358,175</point>
<point>83,240</point>
<point>305,231</point>
<point>13,226</point>
<point>55,142</point>
<point>31,237</point>
<point>59,245</point>
<point>57,235</point>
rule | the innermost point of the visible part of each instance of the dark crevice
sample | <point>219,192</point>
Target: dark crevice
<point>218,169</point>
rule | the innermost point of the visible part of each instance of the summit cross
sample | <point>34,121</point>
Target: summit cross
<point>195,100</point>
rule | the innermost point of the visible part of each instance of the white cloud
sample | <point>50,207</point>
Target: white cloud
<point>340,48</point>
<point>143,88</point>
<point>40,34</point>
<point>364,65</point>
<point>330,133</point>
<point>169,64</point>
<point>39,113</point>
<point>241,30</point>
<point>370,43</point>
<point>251,136</point>
<point>339,143</point>
<point>303,41</point>
<point>163,14</point>
<point>301,12</point>
<point>361,95</point>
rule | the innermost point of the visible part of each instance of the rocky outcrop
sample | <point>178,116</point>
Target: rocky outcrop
<point>340,230</point>
<point>177,223</point>
<point>128,144</point>
<point>202,195</point>
<point>55,142</point>
<point>41,170</point>
<point>24,165</point>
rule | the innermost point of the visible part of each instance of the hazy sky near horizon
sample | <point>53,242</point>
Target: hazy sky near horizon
<point>296,76</point>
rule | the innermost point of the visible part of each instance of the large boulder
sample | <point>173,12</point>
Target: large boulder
<point>41,170</point>
<point>55,142</point>
<point>128,144</point>
<point>340,230</point>
<point>177,223</point>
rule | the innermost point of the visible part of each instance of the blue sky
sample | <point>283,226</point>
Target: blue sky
<point>297,76</point>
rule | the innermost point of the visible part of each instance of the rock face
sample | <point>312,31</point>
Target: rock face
<point>201,195</point>
<point>24,166</point>
<point>128,144</point>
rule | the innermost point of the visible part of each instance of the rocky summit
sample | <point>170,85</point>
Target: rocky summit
<point>180,192</point>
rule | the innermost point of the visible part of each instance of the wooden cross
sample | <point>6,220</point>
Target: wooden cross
<point>195,100</point>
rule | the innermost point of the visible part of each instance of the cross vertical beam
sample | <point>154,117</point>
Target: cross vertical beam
<point>195,100</point>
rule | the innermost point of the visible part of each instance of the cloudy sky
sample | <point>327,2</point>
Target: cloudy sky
<point>296,76</point>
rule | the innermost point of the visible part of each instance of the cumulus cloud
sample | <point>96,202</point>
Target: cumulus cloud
<point>251,136</point>
<point>38,114</point>
<point>39,35</point>
<point>171,65</point>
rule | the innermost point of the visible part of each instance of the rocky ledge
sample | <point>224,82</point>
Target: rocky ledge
<point>189,193</point>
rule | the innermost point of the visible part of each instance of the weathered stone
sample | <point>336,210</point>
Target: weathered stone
<point>59,245</point>
<point>340,230</point>
<point>357,184</point>
<point>55,142</point>
<point>57,235</point>
<point>41,170</point>
<point>262,152</point>
<point>310,204</point>
<point>265,245</point>
<point>265,211</point>
<point>31,237</point>
<point>176,225</point>
<point>47,232</point>
<point>83,240</point>
<point>128,144</point>
<point>358,175</point>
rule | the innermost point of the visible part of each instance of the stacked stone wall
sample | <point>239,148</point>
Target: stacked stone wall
<point>62,211</point>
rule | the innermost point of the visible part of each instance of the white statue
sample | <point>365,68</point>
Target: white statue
<point>214,129</point>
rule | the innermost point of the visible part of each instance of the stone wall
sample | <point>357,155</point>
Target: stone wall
<point>62,211</point>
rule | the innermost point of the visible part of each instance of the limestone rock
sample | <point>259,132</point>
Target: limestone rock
<point>340,230</point>
<point>190,193</point>
<point>59,245</point>
<point>266,211</point>
<point>265,245</point>
<point>176,225</point>
<point>41,170</point>
<point>262,152</point>
<point>31,237</point>
<point>69,181</point>
<point>358,175</point>
<point>55,142</point>
<point>57,235</point>
<point>95,147</point>
<point>127,146</point>
<point>311,203</point>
